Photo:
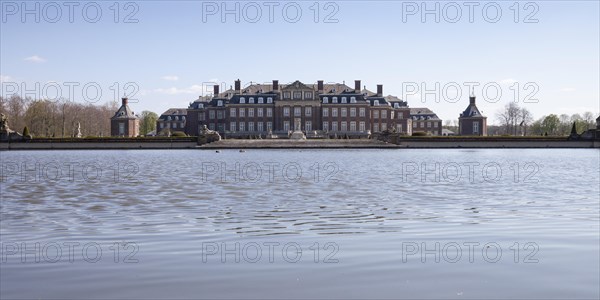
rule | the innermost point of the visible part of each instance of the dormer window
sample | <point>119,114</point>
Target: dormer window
<point>344,100</point>
<point>176,118</point>
<point>334,100</point>
<point>169,118</point>
<point>297,95</point>
<point>396,105</point>
<point>182,118</point>
<point>200,105</point>
<point>261,100</point>
<point>325,100</point>
<point>251,100</point>
<point>269,100</point>
<point>352,99</point>
<point>220,103</point>
<point>376,103</point>
<point>242,100</point>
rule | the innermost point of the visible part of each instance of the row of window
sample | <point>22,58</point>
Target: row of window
<point>172,125</point>
<point>261,100</point>
<point>298,95</point>
<point>176,118</point>
<point>423,124</point>
<point>298,111</point>
<point>241,112</point>
<point>343,100</point>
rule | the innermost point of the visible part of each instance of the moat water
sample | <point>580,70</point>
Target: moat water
<point>483,224</point>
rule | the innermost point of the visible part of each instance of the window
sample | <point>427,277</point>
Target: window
<point>176,118</point>
<point>242,126</point>
<point>344,112</point>
<point>211,126</point>
<point>219,103</point>
<point>428,124</point>
<point>297,111</point>
<point>220,114</point>
<point>475,127</point>
<point>435,124</point>
<point>398,127</point>
<point>375,114</point>
<point>182,118</point>
<point>269,126</point>
<point>414,125</point>
<point>211,114</point>
<point>308,111</point>
<point>261,100</point>
<point>334,112</point>
<point>250,126</point>
<point>251,100</point>
<point>269,112</point>
<point>251,112</point>
<point>269,100</point>
<point>375,127</point>
<point>361,126</point>
<point>232,126</point>
<point>325,112</point>
<point>400,116</point>
<point>353,111</point>
<point>334,126</point>
<point>326,126</point>
<point>344,100</point>
<point>422,124</point>
<point>334,100</point>
<point>286,111</point>
<point>308,125</point>
<point>376,103</point>
<point>352,99</point>
<point>181,125</point>
<point>260,126</point>
<point>308,95</point>
<point>121,128</point>
<point>344,126</point>
<point>353,126</point>
<point>384,114</point>
<point>232,112</point>
<point>286,125</point>
<point>169,118</point>
<point>396,105</point>
<point>200,105</point>
<point>297,95</point>
<point>242,100</point>
<point>174,125</point>
<point>383,126</point>
<point>201,116</point>
<point>361,112</point>
<point>259,112</point>
<point>286,95</point>
<point>162,125</point>
<point>242,112</point>
<point>325,100</point>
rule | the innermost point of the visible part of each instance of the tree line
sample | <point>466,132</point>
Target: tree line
<point>45,118</point>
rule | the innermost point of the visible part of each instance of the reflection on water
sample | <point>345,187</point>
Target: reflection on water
<point>369,204</point>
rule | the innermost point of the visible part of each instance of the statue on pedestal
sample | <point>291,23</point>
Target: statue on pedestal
<point>79,135</point>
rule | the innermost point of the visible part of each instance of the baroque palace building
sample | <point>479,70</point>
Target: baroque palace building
<point>321,109</point>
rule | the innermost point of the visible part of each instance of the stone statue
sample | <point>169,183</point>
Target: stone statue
<point>208,136</point>
<point>4,124</point>
<point>79,130</point>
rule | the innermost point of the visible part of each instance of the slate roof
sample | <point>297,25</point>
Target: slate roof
<point>173,112</point>
<point>124,112</point>
<point>423,113</point>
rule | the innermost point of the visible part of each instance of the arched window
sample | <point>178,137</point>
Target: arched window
<point>334,100</point>
<point>269,100</point>
<point>261,100</point>
<point>325,100</point>
<point>242,100</point>
<point>352,99</point>
<point>182,118</point>
<point>176,118</point>
<point>376,102</point>
<point>220,103</point>
<point>169,118</point>
<point>344,100</point>
<point>251,100</point>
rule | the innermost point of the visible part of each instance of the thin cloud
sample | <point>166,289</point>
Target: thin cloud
<point>170,78</point>
<point>194,89</point>
<point>568,89</point>
<point>508,81</point>
<point>35,59</point>
<point>5,78</point>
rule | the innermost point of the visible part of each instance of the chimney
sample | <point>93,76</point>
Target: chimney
<point>124,101</point>
<point>380,90</point>
<point>472,100</point>
<point>238,85</point>
<point>357,86</point>
<point>215,90</point>
<point>320,86</point>
<point>275,85</point>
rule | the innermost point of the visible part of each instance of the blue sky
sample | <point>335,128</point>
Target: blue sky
<point>177,47</point>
